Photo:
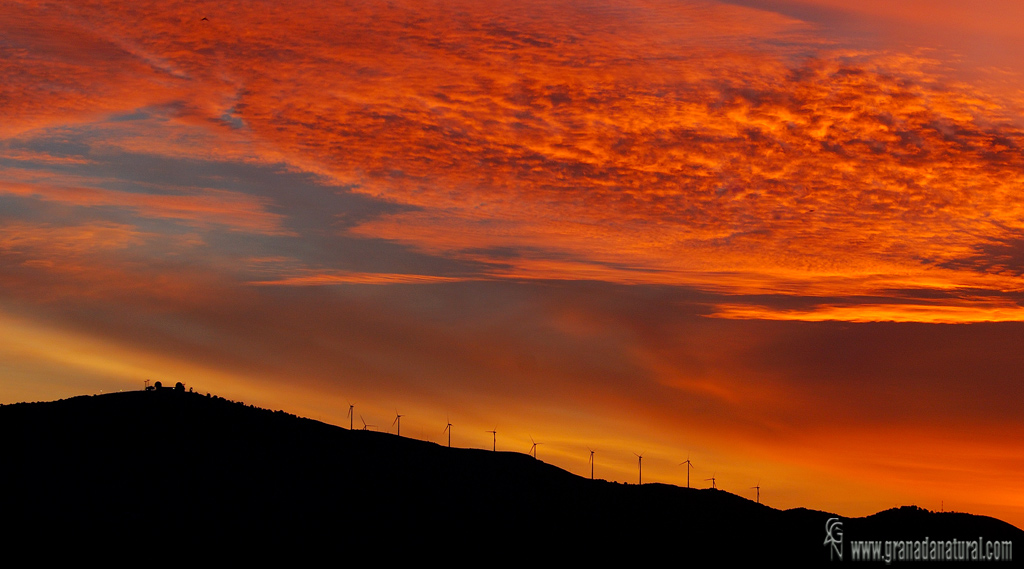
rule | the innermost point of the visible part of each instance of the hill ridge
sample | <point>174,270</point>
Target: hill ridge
<point>166,460</point>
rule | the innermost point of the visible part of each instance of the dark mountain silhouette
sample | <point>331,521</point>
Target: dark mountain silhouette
<point>213,473</point>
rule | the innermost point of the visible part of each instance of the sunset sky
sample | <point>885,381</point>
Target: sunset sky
<point>783,238</point>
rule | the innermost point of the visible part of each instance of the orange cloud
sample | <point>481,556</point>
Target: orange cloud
<point>934,314</point>
<point>72,266</point>
<point>712,146</point>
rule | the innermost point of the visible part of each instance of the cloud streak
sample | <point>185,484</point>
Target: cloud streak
<point>205,207</point>
<point>313,278</point>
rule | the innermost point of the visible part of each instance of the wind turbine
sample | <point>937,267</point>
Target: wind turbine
<point>689,465</point>
<point>398,419</point>
<point>448,430</point>
<point>712,479</point>
<point>640,468</point>
<point>365,426</point>
<point>351,415</point>
<point>495,441</point>
<point>758,487</point>
<point>591,462</point>
<point>533,449</point>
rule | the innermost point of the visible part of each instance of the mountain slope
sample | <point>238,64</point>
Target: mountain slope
<point>123,465</point>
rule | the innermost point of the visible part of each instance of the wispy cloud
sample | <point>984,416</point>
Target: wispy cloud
<point>934,314</point>
<point>203,207</point>
<point>314,278</point>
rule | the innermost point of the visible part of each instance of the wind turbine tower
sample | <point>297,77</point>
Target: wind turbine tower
<point>640,468</point>
<point>494,442</point>
<point>448,429</point>
<point>533,449</point>
<point>758,487</point>
<point>689,465</point>
<point>398,420</point>
<point>591,462</point>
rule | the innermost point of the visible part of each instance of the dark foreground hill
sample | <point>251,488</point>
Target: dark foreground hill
<point>206,473</point>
